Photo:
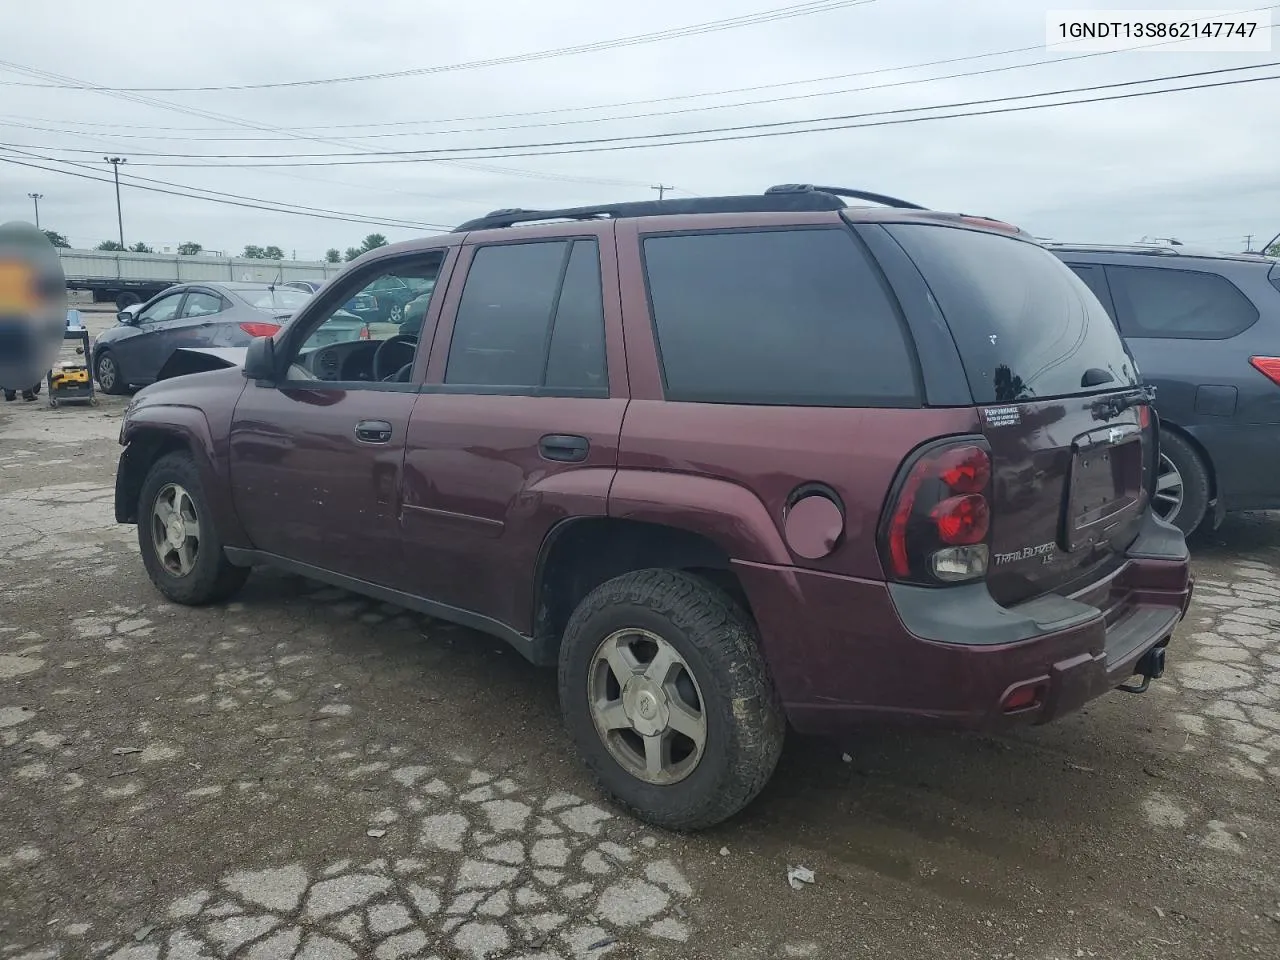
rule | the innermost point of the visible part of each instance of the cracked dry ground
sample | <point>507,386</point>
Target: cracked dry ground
<point>304,774</point>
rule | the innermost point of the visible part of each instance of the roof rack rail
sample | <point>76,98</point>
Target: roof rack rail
<point>880,198</point>
<point>1153,250</point>
<point>786,198</point>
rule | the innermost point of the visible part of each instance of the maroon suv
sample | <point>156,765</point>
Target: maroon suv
<point>731,463</point>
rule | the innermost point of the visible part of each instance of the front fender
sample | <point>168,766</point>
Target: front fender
<point>153,430</point>
<point>729,515</point>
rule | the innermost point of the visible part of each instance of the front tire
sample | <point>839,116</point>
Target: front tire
<point>667,698</point>
<point>180,546</point>
<point>1182,484</point>
<point>107,372</point>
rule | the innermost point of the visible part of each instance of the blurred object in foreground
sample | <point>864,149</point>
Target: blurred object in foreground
<point>33,305</point>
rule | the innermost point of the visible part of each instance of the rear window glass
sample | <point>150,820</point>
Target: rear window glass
<point>281,298</point>
<point>796,317</point>
<point>1178,304</point>
<point>1025,325</point>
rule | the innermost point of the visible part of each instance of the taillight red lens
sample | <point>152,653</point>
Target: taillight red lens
<point>936,528</point>
<point>965,469</point>
<point>255,329</point>
<point>1144,416</point>
<point>900,561</point>
<point>1269,367</point>
<point>364,333</point>
<point>962,521</point>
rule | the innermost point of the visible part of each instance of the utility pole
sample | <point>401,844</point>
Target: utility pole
<point>662,190</point>
<point>1248,242</point>
<point>36,198</point>
<point>115,166</point>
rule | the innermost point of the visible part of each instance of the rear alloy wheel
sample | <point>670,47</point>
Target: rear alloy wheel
<point>395,314</point>
<point>107,373</point>
<point>666,695</point>
<point>647,706</point>
<point>1182,484</point>
<point>180,547</point>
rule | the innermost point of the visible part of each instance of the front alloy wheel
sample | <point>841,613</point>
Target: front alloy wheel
<point>175,530</point>
<point>178,535</point>
<point>647,706</point>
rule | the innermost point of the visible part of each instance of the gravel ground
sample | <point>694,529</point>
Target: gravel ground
<point>305,774</point>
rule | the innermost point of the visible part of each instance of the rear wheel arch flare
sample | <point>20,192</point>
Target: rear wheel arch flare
<point>579,554</point>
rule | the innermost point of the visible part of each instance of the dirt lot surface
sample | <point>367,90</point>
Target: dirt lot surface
<point>305,774</point>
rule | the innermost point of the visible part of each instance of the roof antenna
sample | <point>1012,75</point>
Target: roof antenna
<point>272,285</point>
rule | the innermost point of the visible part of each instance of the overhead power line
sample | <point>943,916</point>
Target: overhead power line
<point>263,205</point>
<point>270,128</point>
<point>711,26</point>
<point>614,119</point>
<point>682,136</point>
<point>754,132</point>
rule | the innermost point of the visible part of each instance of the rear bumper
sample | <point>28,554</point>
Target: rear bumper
<point>845,652</point>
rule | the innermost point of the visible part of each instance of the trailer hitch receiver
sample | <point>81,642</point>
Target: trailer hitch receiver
<point>1150,667</point>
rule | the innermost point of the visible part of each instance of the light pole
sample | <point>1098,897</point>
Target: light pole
<point>36,198</point>
<point>115,166</point>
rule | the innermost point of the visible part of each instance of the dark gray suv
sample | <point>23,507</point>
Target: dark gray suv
<point>1204,329</point>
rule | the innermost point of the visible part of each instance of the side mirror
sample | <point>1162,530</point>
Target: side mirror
<point>260,359</point>
<point>128,316</point>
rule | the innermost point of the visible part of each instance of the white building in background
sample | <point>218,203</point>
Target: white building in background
<point>171,247</point>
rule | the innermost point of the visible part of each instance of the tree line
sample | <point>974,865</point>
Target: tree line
<point>252,251</point>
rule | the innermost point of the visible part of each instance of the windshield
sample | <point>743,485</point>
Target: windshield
<point>1025,325</point>
<point>282,300</point>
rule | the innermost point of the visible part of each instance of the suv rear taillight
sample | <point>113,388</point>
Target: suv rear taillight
<point>1269,367</point>
<point>937,524</point>
<point>255,329</point>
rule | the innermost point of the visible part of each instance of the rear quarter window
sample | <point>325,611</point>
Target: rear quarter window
<point>795,317</point>
<point>1158,302</point>
<point>1025,326</point>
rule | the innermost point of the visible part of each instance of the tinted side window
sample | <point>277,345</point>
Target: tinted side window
<point>576,356</point>
<point>161,310</point>
<point>1096,281</point>
<point>201,304</point>
<point>1179,304</point>
<point>531,316</point>
<point>1025,325</point>
<point>796,317</point>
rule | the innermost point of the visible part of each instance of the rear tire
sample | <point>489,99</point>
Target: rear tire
<point>107,372</point>
<point>183,559</point>
<point>1181,464</point>
<point>717,665</point>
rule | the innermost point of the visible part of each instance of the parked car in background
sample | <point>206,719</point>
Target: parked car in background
<point>363,306</point>
<point>729,463</point>
<point>187,315</point>
<point>389,298</point>
<point>415,312</point>
<point>1204,329</point>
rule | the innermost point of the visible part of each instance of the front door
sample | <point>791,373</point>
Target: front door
<point>139,356</point>
<point>195,325</point>
<point>517,427</point>
<point>316,456</point>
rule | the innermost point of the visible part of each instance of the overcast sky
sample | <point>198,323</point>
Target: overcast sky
<point>1200,165</point>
